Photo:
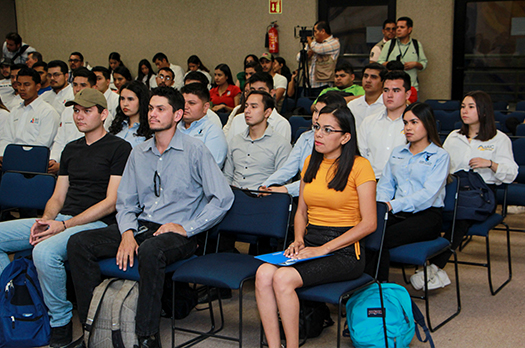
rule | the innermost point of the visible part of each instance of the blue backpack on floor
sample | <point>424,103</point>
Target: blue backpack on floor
<point>365,317</point>
<point>24,321</point>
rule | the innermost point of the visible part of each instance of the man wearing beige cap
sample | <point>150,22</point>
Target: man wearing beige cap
<point>84,198</point>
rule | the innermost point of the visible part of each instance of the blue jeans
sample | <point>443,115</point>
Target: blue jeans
<point>49,257</point>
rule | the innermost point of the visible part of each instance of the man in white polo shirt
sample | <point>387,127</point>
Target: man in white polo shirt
<point>33,122</point>
<point>61,91</point>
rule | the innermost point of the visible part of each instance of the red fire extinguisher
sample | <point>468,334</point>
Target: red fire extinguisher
<point>273,38</point>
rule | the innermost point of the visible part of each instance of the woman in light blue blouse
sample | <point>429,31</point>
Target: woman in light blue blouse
<point>131,119</point>
<point>413,184</point>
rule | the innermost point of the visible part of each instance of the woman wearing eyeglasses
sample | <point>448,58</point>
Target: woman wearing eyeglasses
<point>413,184</point>
<point>336,209</point>
<point>131,119</point>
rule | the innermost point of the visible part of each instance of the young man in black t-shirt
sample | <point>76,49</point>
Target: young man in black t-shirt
<point>84,199</point>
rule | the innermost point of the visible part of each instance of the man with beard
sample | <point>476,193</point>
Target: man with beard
<point>165,78</point>
<point>41,69</point>
<point>61,90</point>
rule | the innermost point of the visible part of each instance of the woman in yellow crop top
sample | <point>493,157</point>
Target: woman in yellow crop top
<point>337,208</point>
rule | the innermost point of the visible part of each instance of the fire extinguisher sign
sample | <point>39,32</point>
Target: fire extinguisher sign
<point>276,6</point>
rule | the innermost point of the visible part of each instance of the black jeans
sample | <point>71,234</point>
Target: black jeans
<point>406,228</point>
<point>154,254</point>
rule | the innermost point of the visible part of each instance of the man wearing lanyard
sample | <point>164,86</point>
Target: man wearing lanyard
<point>408,51</point>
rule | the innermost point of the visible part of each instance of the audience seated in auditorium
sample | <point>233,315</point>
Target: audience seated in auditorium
<point>225,95</point>
<point>121,75</point>
<point>10,96</point>
<point>33,58</point>
<point>61,90</point>
<point>262,82</point>
<point>131,119</point>
<point>397,65</point>
<point>84,198</point>
<point>198,77</point>
<point>413,185</point>
<point>103,85</point>
<point>33,122</point>
<point>195,64</point>
<point>67,130</point>
<point>161,61</point>
<point>301,149</point>
<point>146,74</point>
<point>372,101</point>
<point>162,216</point>
<point>380,133</point>
<point>76,60</point>
<point>344,82</point>
<point>41,69</point>
<point>258,151</point>
<point>196,123</point>
<point>280,83</point>
<point>241,76</point>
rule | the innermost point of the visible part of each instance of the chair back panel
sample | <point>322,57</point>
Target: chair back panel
<point>266,216</point>
<point>26,190</point>
<point>25,158</point>
<point>373,241</point>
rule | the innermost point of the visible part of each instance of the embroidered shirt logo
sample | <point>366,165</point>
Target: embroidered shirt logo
<point>34,120</point>
<point>486,148</point>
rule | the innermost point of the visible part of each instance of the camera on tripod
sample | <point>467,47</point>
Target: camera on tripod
<point>304,33</point>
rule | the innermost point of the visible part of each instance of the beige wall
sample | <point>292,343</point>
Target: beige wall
<point>433,26</point>
<point>217,31</point>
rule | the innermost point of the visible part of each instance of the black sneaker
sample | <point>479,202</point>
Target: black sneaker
<point>61,336</point>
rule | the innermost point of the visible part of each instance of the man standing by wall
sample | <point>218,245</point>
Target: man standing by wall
<point>389,32</point>
<point>408,51</point>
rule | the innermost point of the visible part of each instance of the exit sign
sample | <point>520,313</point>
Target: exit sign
<point>276,6</point>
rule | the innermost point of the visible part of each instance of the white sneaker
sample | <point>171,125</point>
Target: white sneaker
<point>443,277</point>
<point>437,278</point>
<point>418,279</point>
<point>515,209</point>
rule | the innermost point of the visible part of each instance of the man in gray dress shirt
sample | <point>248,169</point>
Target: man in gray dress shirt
<point>259,151</point>
<point>172,190</point>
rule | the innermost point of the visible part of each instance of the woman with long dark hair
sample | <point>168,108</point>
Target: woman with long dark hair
<point>225,96</point>
<point>241,76</point>
<point>195,64</point>
<point>146,74</point>
<point>131,119</point>
<point>479,146</point>
<point>121,75</point>
<point>336,210</point>
<point>114,61</point>
<point>413,184</point>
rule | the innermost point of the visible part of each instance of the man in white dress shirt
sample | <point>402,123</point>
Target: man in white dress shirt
<point>33,122</point>
<point>380,133</point>
<point>372,101</point>
<point>103,82</point>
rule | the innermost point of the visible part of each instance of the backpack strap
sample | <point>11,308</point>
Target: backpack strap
<point>96,300</point>
<point>416,47</point>
<point>20,52</point>
<point>116,334</point>
<point>391,48</point>
<point>420,321</point>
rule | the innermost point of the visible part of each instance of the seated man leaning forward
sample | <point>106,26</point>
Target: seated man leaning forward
<point>172,190</point>
<point>84,198</point>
